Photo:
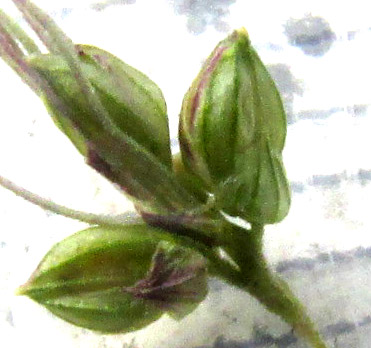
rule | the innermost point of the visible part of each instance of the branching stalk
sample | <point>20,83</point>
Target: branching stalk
<point>244,178</point>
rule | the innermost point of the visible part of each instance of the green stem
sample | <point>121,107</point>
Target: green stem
<point>18,34</point>
<point>267,287</point>
<point>92,219</point>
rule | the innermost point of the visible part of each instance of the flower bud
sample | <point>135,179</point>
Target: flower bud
<point>135,143</point>
<point>232,132</point>
<point>82,278</point>
<point>133,102</point>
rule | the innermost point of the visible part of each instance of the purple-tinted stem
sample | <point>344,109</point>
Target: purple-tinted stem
<point>57,42</point>
<point>14,56</point>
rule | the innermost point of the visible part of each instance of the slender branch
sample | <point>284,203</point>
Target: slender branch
<point>11,53</point>
<point>18,34</point>
<point>58,43</point>
<point>92,219</point>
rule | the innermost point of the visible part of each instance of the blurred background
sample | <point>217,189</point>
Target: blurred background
<point>319,54</point>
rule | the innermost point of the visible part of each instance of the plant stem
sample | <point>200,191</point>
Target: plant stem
<point>267,287</point>
<point>18,34</point>
<point>92,219</point>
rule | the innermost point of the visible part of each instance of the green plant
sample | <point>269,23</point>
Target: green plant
<point>125,273</point>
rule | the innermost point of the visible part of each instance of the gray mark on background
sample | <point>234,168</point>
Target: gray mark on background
<point>101,5</point>
<point>203,13</point>
<point>311,34</point>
